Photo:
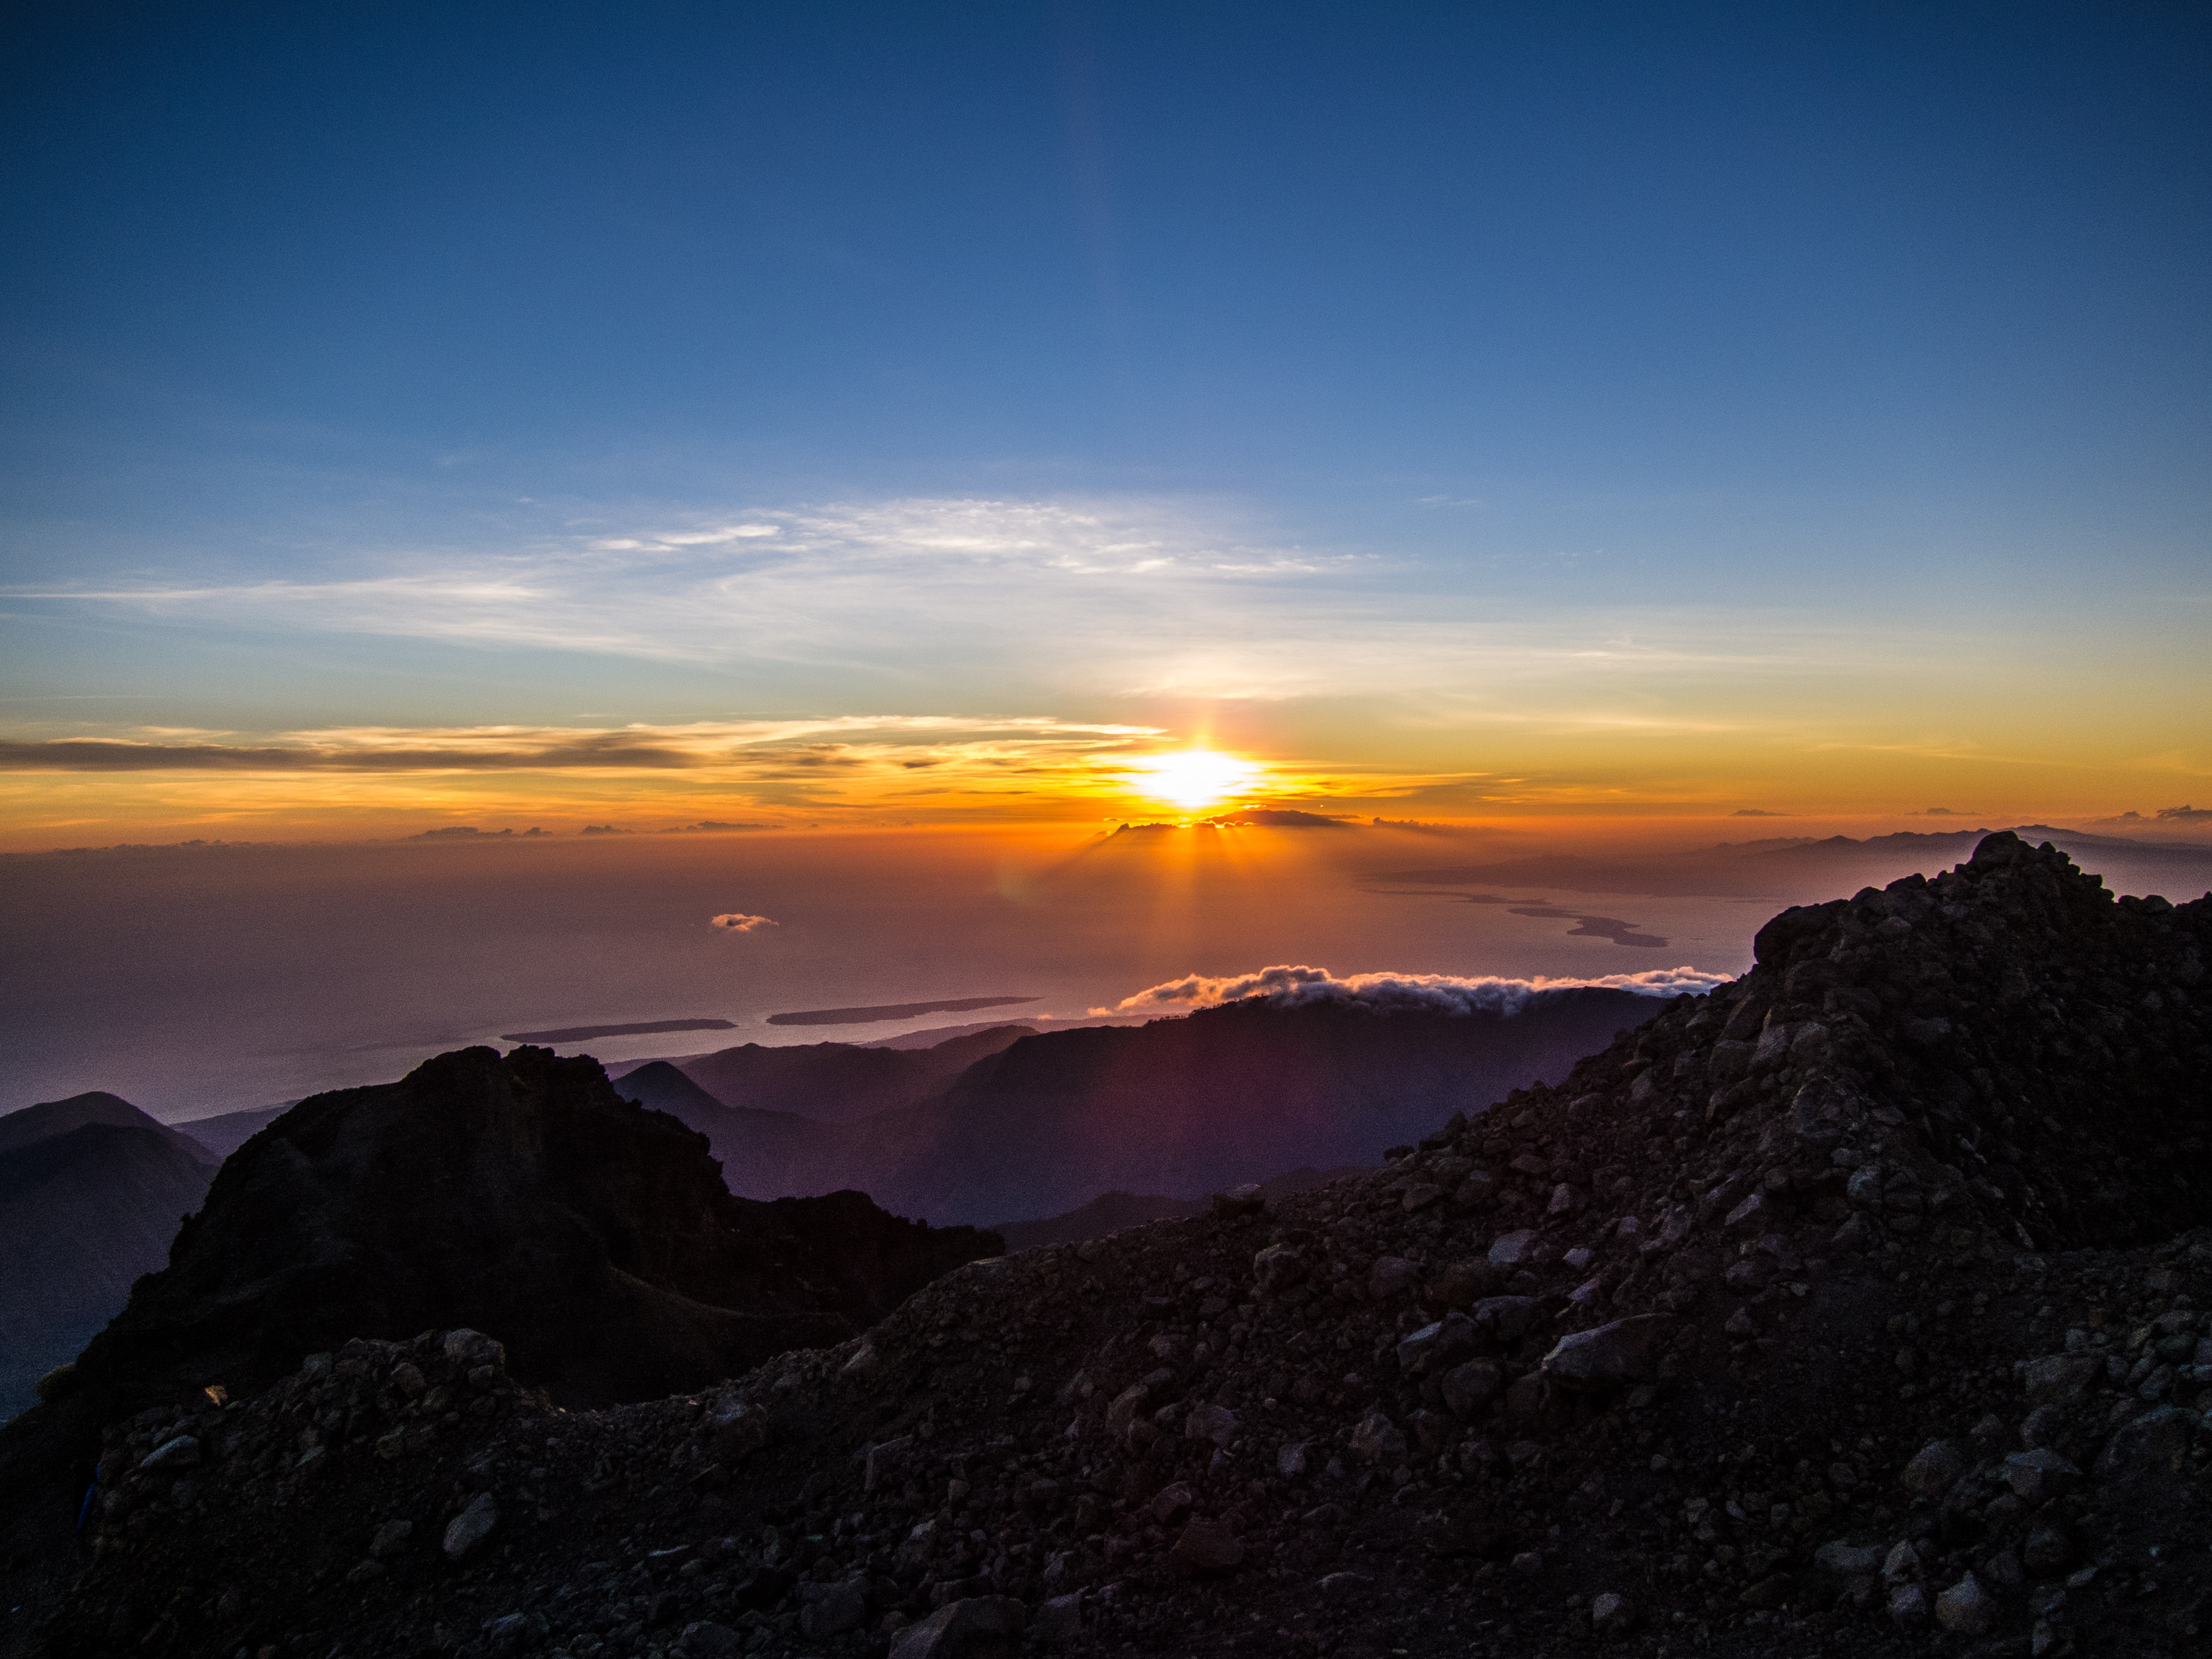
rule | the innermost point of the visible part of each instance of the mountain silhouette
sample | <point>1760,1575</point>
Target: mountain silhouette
<point>1177,1107</point>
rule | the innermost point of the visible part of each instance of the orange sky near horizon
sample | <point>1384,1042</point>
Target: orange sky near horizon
<point>384,783</point>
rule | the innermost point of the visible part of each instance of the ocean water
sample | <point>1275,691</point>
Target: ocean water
<point>196,981</point>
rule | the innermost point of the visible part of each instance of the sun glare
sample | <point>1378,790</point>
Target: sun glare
<point>1192,778</point>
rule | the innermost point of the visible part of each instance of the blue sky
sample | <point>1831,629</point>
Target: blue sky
<point>1866,336</point>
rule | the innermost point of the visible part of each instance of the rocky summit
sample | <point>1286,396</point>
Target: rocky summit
<point>1863,1307</point>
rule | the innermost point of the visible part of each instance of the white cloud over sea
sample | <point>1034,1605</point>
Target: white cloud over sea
<point>1291,986</point>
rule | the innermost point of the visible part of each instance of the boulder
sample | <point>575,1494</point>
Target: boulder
<point>1059,1621</point>
<point>705,1639</point>
<point>469,1349</point>
<point>2058,1378</point>
<point>2037,1476</point>
<point>1966,1608</point>
<point>1215,1423</point>
<point>833,1608</point>
<point>466,1532</point>
<point>1624,1351</point>
<point>968,1629</point>
<point>180,1453</point>
<point>1466,1388</point>
<point>1934,1468</point>
<point>1850,1561</point>
<point>1432,1344</point>
<point>1507,1319</point>
<point>2157,1442</point>
<point>1277,1268</point>
<point>1377,1439</point>
<point>1206,1546</point>
<point>1391,1276</point>
<point>1513,1249</point>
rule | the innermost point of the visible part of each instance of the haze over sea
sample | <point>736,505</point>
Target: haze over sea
<point>231,977</point>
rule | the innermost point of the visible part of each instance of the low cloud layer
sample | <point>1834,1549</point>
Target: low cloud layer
<point>1293,987</point>
<point>736,921</point>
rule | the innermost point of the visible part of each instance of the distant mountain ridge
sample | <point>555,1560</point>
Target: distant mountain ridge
<point>50,1118</point>
<point>1779,866</point>
<point>837,1082</point>
<point>1177,1107</point>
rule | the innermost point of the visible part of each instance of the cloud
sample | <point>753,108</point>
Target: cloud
<point>2163,815</point>
<point>1066,597</point>
<point>1935,812</point>
<point>1755,812</point>
<point>1293,986</point>
<point>1282,818</point>
<point>754,744</point>
<point>737,923</point>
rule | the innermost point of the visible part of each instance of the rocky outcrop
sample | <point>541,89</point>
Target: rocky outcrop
<point>517,1194</point>
<point>1648,1361</point>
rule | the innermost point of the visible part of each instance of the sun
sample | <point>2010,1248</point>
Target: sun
<point>1192,778</point>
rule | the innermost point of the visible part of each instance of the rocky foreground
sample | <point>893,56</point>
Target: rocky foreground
<point>1862,1307</point>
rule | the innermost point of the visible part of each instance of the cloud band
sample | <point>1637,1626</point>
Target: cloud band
<point>1291,986</point>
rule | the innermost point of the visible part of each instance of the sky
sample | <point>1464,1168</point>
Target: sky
<point>552,415</point>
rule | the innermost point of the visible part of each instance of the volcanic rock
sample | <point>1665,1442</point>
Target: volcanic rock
<point>2040,1190</point>
<point>517,1194</point>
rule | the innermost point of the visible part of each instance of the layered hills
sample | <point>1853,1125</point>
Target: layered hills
<point>1176,1108</point>
<point>839,1081</point>
<point>1857,1308</point>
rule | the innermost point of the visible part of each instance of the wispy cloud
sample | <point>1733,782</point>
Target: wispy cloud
<point>1060,598</point>
<point>757,748</point>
